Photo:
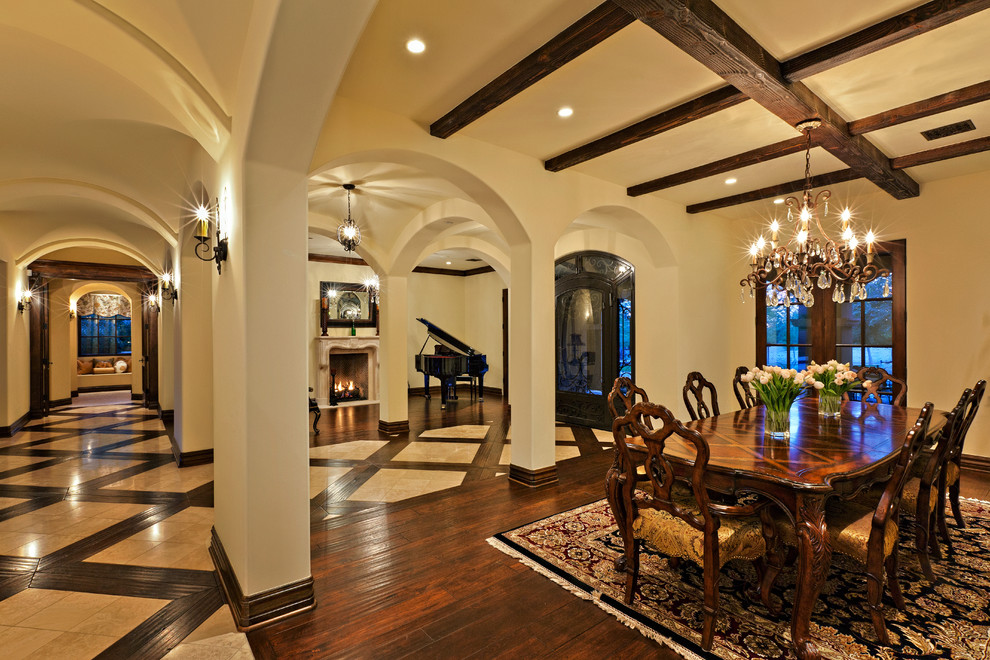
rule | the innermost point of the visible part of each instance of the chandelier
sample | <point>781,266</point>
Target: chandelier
<point>348,234</point>
<point>811,256</point>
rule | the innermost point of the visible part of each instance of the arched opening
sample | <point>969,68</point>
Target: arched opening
<point>594,333</point>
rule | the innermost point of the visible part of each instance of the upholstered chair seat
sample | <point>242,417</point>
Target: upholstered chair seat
<point>849,528</point>
<point>738,538</point>
<point>909,498</point>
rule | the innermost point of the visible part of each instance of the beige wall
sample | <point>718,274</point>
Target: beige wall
<point>948,306</point>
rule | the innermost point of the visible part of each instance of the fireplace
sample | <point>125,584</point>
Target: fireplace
<point>348,377</point>
<point>353,359</point>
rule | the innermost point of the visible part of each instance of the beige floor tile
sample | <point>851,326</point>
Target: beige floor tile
<point>220,622</point>
<point>121,553</point>
<point>472,431</point>
<point>167,478</point>
<point>14,462</point>
<point>44,545</point>
<point>321,478</point>
<point>200,652</point>
<point>120,617</point>
<point>10,501</point>
<point>159,532</point>
<point>145,425</point>
<point>26,603</point>
<point>160,445</point>
<point>83,424</point>
<point>164,555</point>
<point>196,560</point>
<point>392,485</point>
<point>563,434</point>
<point>236,641</point>
<point>193,515</point>
<point>18,643</point>
<point>10,541</point>
<point>439,452</point>
<point>506,457</point>
<point>75,510</point>
<point>604,437</point>
<point>195,533</point>
<point>32,436</point>
<point>565,452</point>
<point>85,442</point>
<point>358,450</point>
<point>71,473</point>
<point>68,612</point>
<point>73,646</point>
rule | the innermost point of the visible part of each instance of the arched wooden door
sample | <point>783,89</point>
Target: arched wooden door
<point>594,334</point>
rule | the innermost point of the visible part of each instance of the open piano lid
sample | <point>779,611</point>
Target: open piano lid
<point>448,340</point>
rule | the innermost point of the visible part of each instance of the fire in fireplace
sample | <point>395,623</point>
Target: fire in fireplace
<point>348,378</point>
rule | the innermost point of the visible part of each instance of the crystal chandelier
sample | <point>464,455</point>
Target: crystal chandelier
<point>348,234</point>
<point>811,255</point>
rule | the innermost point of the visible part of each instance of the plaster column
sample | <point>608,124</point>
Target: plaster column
<point>166,359</point>
<point>394,356</point>
<point>261,425</point>
<point>193,354</point>
<point>531,365</point>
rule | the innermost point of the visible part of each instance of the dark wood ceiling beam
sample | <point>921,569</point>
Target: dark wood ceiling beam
<point>759,155</point>
<point>78,270</point>
<point>702,106</point>
<point>701,29</point>
<point>775,191</point>
<point>911,23</point>
<point>942,153</point>
<point>976,146</point>
<point>596,26</point>
<point>959,98</point>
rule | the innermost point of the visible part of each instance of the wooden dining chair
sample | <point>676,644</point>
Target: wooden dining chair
<point>677,518</point>
<point>624,395</point>
<point>921,493</point>
<point>879,378</point>
<point>744,393</point>
<point>868,534</point>
<point>696,385</point>
<point>949,484</point>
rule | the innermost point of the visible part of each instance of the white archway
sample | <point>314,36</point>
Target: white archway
<point>106,244</point>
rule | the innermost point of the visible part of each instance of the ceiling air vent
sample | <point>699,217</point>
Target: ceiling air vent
<point>951,129</point>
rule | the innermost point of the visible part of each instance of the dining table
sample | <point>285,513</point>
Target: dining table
<point>824,458</point>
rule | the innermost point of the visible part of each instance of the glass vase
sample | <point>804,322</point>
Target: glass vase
<point>829,404</point>
<point>778,424</point>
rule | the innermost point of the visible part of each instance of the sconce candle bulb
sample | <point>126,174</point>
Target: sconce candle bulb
<point>218,214</point>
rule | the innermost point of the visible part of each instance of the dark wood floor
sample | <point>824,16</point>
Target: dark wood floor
<point>417,578</point>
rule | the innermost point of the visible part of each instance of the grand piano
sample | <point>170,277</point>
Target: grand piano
<point>451,358</point>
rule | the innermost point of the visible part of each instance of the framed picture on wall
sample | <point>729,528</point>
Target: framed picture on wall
<point>346,303</point>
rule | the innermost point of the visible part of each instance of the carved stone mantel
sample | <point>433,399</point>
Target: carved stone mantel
<point>346,345</point>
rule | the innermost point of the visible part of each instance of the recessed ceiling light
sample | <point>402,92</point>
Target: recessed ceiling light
<point>730,180</point>
<point>415,46</point>
<point>448,263</point>
<point>779,200</point>
<point>566,111</point>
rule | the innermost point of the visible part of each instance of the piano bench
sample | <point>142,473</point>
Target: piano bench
<point>472,383</point>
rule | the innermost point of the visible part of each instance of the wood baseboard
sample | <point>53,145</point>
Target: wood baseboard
<point>10,431</point>
<point>190,458</point>
<point>165,415</point>
<point>103,388</point>
<point>55,403</point>
<point>533,478</point>
<point>976,463</point>
<point>74,394</point>
<point>263,608</point>
<point>137,396</point>
<point>393,427</point>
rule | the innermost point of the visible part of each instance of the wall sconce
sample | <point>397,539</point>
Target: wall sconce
<point>152,301</point>
<point>169,290</point>
<point>72,310</point>
<point>24,301</point>
<point>373,285</point>
<point>219,214</point>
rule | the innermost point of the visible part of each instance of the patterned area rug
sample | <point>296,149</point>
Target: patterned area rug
<point>950,618</point>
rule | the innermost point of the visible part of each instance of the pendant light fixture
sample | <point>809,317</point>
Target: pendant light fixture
<point>348,233</point>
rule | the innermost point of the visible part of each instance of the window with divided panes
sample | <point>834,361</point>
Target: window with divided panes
<point>866,332</point>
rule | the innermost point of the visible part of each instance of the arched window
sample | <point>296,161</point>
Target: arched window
<point>594,334</point>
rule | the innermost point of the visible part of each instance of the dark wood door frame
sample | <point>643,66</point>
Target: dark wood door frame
<point>40,358</point>
<point>149,347</point>
<point>505,345</point>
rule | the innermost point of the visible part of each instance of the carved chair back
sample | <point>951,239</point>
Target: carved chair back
<point>889,505</point>
<point>878,378</point>
<point>955,451</point>
<point>624,396</point>
<point>947,439</point>
<point>744,393</point>
<point>659,468</point>
<point>696,385</point>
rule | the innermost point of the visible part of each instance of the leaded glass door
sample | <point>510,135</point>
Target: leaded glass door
<point>594,306</point>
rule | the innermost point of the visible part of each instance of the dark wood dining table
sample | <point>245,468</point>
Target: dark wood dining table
<point>824,458</point>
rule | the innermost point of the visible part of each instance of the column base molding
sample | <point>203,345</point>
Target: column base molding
<point>263,608</point>
<point>11,431</point>
<point>533,478</point>
<point>393,427</point>
<point>189,458</point>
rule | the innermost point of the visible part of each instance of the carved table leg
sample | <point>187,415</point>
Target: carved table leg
<point>814,561</point>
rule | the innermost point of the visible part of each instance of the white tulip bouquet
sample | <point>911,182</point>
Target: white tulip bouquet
<point>778,389</point>
<point>831,380</point>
